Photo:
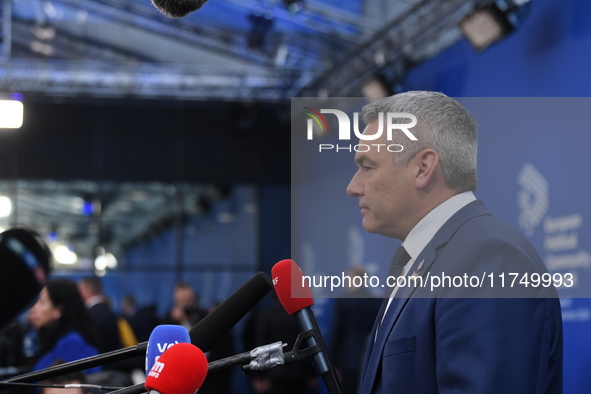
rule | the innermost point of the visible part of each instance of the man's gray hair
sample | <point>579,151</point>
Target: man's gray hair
<point>442,125</point>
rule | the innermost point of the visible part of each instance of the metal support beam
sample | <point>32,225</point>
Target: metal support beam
<point>6,29</point>
<point>145,16</point>
<point>107,79</point>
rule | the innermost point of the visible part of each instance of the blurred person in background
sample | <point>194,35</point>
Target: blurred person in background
<point>186,310</point>
<point>103,318</point>
<point>141,319</point>
<point>64,328</point>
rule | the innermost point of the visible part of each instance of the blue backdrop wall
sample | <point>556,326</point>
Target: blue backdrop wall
<point>533,161</point>
<point>549,56</point>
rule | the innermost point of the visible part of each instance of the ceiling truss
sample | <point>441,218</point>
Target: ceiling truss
<point>422,32</point>
<point>332,65</point>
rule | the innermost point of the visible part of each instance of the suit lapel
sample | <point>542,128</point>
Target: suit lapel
<point>427,257</point>
<point>370,341</point>
<point>372,362</point>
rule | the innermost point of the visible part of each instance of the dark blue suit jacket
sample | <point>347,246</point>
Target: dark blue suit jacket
<point>448,341</point>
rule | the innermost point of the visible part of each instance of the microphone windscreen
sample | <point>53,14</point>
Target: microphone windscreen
<point>25,263</point>
<point>292,289</point>
<point>178,8</point>
<point>180,370</point>
<point>221,320</point>
<point>162,338</point>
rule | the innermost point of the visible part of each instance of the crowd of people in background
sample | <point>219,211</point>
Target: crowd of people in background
<point>70,321</point>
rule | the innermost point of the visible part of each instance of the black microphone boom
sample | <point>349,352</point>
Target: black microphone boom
<point>135,389</point>
<point>79,365</point>
<point>178,8</point>
<point>218,322</point>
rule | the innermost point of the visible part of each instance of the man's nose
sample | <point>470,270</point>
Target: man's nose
<point>354,187</point>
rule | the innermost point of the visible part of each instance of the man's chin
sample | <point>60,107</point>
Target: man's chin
<point>369,227</point>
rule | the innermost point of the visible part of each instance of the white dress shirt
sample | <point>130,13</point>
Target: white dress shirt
<point>425,230</point>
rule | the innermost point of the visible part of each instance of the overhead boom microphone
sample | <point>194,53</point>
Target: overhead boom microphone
<point>25,264</point>
<point>178,8</point>
<point>204,335</point>
<point>296,297</point>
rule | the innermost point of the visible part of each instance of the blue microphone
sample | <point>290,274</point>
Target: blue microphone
<point>162,338</point>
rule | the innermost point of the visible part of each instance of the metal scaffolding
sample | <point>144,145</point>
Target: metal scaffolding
<point>329,61</point>
<point>422,32</point>
<point>144,80</point>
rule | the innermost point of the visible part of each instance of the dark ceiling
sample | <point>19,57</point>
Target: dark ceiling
<point>149,141</point>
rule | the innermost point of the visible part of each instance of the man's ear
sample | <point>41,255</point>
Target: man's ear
<point>427,165</point>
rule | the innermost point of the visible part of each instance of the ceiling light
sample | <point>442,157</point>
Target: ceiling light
<point>11,114</point>
<point>225,217</point>
<point>374,88</point>
<point>105,261</point>
<point>487,25</point>
<point>261,22</point>
<point>64,255</point>
<point>294,6</point>
<point>44,33</point>
<point>383,83</point>
<point>5,206</point>
<point>39,47</point>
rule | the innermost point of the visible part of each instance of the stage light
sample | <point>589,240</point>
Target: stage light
<point>5,206</point>
<point>261,23</point>
<point>101,263</point>
<point>11,114</point>
<point>383,83</point>
<point>63,255</point>
<point>294,6</point>
<point>487,25</point>
<point>375,88</point>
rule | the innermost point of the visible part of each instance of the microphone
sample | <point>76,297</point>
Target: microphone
<point>25,263</point>
<point>204,335</point>
<point>162,338</point>
<point>215,325</point>
<point>260,358</point>
<point>180,370</point>
<point>296,297</point>
<point>178,8</point>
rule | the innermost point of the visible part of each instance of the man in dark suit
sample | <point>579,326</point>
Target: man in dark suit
<point>91,290</point>
<point>449,339</point>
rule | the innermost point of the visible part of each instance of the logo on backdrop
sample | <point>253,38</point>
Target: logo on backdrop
<point>386,122</point>
<point>561,246</point>
<point>533,198</point>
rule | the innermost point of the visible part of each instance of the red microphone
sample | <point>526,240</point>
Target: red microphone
<point>291,290</point>
<point>296,297</point>
<point>180,370</point>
